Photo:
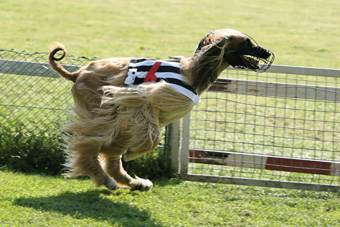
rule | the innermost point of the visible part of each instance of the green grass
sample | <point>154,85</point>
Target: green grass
<point>298,32</point>
<point>36,200</point>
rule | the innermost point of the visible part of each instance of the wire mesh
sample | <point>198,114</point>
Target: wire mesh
<point>267,136</point>
<point>30,103</point>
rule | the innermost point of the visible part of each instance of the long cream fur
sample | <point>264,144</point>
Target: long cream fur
<point>113,118</point>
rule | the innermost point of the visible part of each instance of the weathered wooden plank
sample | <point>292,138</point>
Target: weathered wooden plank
<point>269,89</point>
<point>26,68</point>
<point>261,161</point>
<point>31,68</point>
<point>260,182</point>
<point>221,85</point>
<point>287,69</point>
<point>308,71</point>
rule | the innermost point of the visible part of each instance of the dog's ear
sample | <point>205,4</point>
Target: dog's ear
<point>209,47</point>
<point>207,40</point>
<point>208,64</point>
<point>216,49</point>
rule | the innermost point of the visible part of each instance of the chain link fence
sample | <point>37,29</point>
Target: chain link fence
<point>33,98</point>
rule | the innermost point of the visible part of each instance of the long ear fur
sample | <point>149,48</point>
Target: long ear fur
<point>207,64</point>
<point>204,42</point>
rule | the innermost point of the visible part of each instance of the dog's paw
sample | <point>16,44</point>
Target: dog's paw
<point>142,185</point>
<point>112,185</point>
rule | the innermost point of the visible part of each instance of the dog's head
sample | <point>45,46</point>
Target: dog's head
<point>239,50</point>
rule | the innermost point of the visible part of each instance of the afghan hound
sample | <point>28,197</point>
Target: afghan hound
<point>121,104</point>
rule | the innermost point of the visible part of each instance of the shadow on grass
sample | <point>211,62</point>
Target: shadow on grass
<point>91,205</point>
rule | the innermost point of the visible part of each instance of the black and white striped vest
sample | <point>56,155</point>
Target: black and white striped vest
<point>143,70</point>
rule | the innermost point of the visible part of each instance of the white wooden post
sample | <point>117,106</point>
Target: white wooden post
<point>174,143</point>
<point>184,156</point>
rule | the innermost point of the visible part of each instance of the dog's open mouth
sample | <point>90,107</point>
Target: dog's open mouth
<point>251,62</point>
<point>255,58</point>
<point>255,63</point>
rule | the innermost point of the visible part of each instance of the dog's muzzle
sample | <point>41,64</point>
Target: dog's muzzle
<point>264,57</point>
<point>261,52</point>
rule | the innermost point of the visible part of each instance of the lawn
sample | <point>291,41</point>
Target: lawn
<point>301,33</point>
<point>37,200</point>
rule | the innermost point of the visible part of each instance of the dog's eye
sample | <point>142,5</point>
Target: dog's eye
<point>248,42</point>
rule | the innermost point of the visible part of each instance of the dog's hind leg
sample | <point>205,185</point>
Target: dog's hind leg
<point>148,139</point>
<point>82,160</point>
<point>115,168</point>
<point>112,164</point>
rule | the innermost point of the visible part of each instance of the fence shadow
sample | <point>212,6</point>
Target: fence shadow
<point>91,205</point>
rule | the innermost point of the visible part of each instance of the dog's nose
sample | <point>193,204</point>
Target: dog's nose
<point>262,53</point>
<point>267,54</point>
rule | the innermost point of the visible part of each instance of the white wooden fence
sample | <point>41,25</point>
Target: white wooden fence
<point>277,129</point>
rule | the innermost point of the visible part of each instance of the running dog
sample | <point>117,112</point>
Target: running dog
<point>122,103</point>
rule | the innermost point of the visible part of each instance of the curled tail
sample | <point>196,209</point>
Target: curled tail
<point>59,68</point>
